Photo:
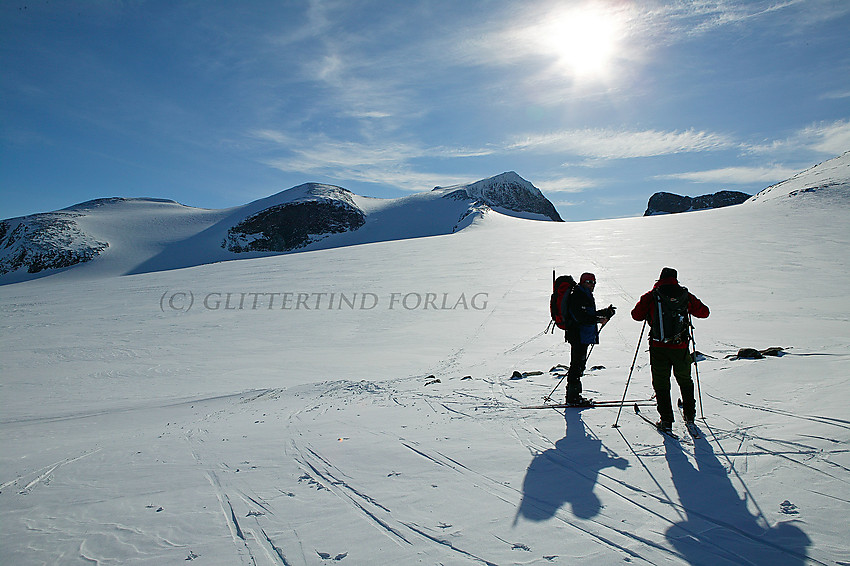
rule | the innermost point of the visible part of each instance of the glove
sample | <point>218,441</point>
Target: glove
<point>609,312</point>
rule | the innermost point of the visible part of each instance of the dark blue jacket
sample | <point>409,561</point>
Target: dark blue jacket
<point>583,316</point>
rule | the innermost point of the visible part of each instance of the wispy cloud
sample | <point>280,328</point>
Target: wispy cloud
<point>622,144</point>
<point>734,175</point>
<point>321,153</point>
<point>672,21</point>
<point>825,138</point>
<point>835,95</point>
<point>832,138</point>
<point>390,161</point>
<point>386,162</point>
<point>565,185</point>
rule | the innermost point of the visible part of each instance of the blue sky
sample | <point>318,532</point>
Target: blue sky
<point>598,103</point>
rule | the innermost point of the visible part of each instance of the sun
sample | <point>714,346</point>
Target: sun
<point>585,40</point>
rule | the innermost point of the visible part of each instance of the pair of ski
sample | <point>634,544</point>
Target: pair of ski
<point>692,428</point>
<point>593,404</point>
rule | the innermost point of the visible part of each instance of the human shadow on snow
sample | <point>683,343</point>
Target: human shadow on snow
<point>718,527</point>
<point>566,474</point>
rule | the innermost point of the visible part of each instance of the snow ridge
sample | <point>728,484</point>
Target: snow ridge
<point>829,179</point>
<point>310,216</point>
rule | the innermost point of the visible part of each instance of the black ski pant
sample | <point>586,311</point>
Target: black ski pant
<point>679,360</point>
<point>578,359</point>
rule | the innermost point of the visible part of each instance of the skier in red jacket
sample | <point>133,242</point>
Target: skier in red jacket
<point>667,309</point>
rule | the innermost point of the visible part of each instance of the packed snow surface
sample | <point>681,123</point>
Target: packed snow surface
<point>356,405</point>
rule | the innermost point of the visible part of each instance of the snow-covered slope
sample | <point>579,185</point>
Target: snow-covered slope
<point>115,234</point>
<point>356,405</point>
<point>830,179</point>
<point>120,236</point>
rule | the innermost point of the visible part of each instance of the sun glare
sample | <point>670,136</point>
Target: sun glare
<point>585,40</point>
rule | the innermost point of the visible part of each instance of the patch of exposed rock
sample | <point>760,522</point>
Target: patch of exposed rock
<point>45,241</point>
<point>281,228</point>
<point>669,203</point>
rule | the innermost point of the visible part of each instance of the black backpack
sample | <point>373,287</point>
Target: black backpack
<point>671,323</point>
<point>561,288</point>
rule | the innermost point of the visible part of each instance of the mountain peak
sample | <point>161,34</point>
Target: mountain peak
<point>509,176</point>
<point>509,194</point>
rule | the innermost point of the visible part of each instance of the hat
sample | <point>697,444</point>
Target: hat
<point>669,272</point>
<point>587,277</point>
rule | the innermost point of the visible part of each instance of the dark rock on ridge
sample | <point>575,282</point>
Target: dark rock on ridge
<point>323,210</point>
<point>45,241</point>
<point>508,191</point>
<point>669,203</point>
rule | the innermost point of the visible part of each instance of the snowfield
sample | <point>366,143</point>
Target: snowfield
<point>356,405</point>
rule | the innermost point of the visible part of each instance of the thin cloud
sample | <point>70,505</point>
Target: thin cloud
<point>620,144</point>
<point>831,138</point>
<point>566,185</point>
<point>384,163</point>
<point>674,21</point>
<point>322,149</point>
<point>390,162</point>
<point>401,178</point>
<point>734,175</point>
<point>835,95</point>
<point>567,203</point>
<point>826,138</point>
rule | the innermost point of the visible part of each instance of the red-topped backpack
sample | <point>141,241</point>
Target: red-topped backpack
<point>561,287</point>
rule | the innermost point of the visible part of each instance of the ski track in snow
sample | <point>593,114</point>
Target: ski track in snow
<point>324,476</point>
<point>261,533</point>
<point>248,544</point>
<point>256,525</point>
<point>319,470</point>
<point>43,475</point>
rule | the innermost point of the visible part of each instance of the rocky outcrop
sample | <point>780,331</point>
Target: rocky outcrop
<point>45,241</point>
<point>669,203</point>
<point>508,192</point>
<point>321,211</point>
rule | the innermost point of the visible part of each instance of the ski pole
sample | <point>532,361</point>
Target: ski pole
<point>637,349</point>
<point>696,366</point>
<point>590,351</point>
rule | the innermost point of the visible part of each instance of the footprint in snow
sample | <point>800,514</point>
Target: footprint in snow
<point>327,556</point>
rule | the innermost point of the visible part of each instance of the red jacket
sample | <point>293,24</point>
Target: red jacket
<point>645,310</point>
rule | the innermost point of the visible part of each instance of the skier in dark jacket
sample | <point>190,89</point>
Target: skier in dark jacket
<point>671,351</point>
<point>579,309</point>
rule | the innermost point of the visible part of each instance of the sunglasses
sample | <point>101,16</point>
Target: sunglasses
<point>591,281</point>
